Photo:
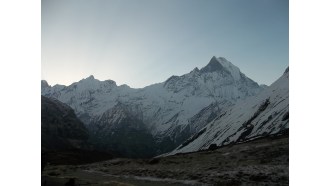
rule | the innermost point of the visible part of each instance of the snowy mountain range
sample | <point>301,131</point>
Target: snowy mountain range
<point>257,116</point>
<point>168,112</point>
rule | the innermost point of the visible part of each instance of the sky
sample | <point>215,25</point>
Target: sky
<point>142,42</point>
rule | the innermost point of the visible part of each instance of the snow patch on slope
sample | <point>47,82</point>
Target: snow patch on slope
<point>165,108</point>
<point>264,114</point>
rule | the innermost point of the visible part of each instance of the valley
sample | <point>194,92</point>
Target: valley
<point>158,93</point>
<point>212,126</point>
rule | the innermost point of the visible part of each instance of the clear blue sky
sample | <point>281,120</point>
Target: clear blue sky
<point>141,42</point>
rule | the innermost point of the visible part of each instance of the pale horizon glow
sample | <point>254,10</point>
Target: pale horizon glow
<point>143,42</point>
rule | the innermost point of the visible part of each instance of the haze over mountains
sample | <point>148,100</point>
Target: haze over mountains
<point>218,103</point>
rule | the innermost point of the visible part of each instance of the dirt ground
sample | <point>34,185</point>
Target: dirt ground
<point>259,162</point>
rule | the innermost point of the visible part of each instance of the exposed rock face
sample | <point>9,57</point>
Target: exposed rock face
<point>214,66</point>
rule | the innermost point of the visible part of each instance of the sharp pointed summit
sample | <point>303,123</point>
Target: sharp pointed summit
<point>212,66</point>
<point>164,109</point>
<point>44,84</point>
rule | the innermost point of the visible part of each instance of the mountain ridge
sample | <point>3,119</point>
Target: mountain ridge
<point>262,115</point>
<point>217,63</point>
<point>165,108</point>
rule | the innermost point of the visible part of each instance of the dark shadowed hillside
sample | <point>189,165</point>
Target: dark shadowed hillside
<point>263,161</point>
<point>64,137</point>
<point>60,128</point>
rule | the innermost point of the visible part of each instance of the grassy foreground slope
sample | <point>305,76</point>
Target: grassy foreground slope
<point>262,161</point>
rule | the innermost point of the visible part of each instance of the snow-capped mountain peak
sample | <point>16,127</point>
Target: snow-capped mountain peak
<point>196,70</point>
<point>221,64</point>
<point>166,108</point>
<point>90,77</point>
<point>44,84</point>
<point>90,83</point>
<point>212,66</point>
<point>234,70</point>
<point>264,114</point>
